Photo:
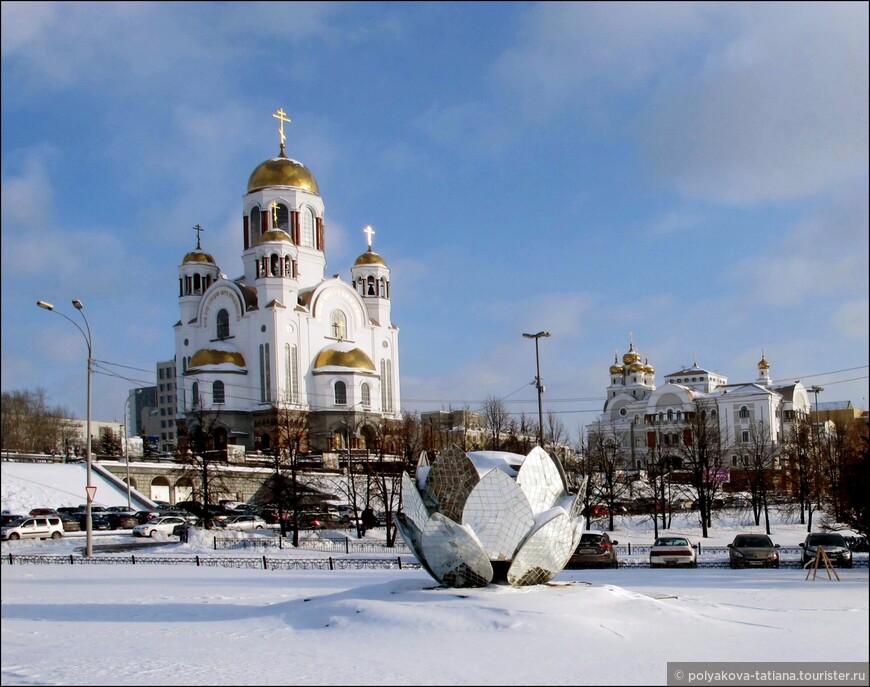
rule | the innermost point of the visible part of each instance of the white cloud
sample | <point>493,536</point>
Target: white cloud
<point>28,193</point>
<point>852,320</point>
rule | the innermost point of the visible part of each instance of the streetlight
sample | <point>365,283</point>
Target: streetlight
<point>538,384</point>
<point>127,446</point>
<point>77,304</point>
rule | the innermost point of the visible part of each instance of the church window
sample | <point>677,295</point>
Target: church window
<point>273,266</point>
<point>217,392</point>
<point>386,386</point>
<point>223,324</point>
<point>255,224</point>
<point>744,413</point>
<point>306,226</point>
<point>339,325</point>
<point>265,375</point>
<point>197,283</point>
<point>340,394</point>
<point>281,217</point>
<point>670,416</point>
<point>382,288</point>
<point>195,395</point>
<point>366,394</point>
<point>291,364</point>
<point>370,291</point>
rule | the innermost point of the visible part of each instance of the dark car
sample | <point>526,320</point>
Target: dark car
<point>834,545</point>
<point>7,518</point>
<point>122,520</point>
<point>145,515</point>
<point>753,550</point>
<point>43,511</point>
<point>595,550</point>
<point>70,522</point>
<point>98,521</point>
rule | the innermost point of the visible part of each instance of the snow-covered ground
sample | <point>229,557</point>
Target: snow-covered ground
<point>157,624</point>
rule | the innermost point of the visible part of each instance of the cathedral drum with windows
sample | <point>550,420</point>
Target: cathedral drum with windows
<point>283,338</point>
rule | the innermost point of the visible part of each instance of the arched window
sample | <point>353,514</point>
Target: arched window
<point>670,415</point>
<point>291,364</point>
<point>273,266</point>
<point>387,386</point>
<point>340,394</point>
<point>744,413</point>
<point>280,217</point>
<point>265,375</point>
<point>339,325</point>
<point>370,290</point>
<point>366,394</point>
<point>306,227</point>
<point>255,224</point>
<point>217,392</point>
<point>194,400</point>
<point>222,324</point>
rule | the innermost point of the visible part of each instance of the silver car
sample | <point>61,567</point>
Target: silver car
<point>753,550</point>
<point>245,523</point>
<point>835,547</point>
<point>165,525</point>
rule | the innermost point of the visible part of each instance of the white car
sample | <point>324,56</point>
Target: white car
<point>245,523</point>
<point>40,527</point>
<point>672,551</point>
<point>165,524</point>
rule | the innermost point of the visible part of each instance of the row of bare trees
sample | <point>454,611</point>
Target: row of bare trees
<point>29,424</point>
<point>815,468</point>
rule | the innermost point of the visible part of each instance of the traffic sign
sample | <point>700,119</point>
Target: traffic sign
<point>91,492</point>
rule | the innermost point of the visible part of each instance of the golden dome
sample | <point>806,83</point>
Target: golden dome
<point>616,369</point>
<point>211,356</point>
<point>632,355</point>
<point>275,235</point>
<point>647,368</point>
<point>198,256</point>
<point>282,171</point>
<point>354,358</point>
<point>370,258</point>
<point>763,364</point>
<point>636,366</point>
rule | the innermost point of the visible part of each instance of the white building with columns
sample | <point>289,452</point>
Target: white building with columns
<point>283,335</point>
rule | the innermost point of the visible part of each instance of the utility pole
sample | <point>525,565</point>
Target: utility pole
<point>539,386</point>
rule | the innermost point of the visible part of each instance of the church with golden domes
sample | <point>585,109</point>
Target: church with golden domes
<point>637,414</point>
<point>283,336</point>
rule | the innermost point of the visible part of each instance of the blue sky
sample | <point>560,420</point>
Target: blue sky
<point>696,174</point>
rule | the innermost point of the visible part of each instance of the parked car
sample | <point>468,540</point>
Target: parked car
<point>671,551</point>
<point>753,550</point>
<point>43,511</point>
<point>98,521</point>
<point>8,518</point>
<point>144,516</point>
<point>33,528</point>
<point>595,550</point>
<point>833,543</point>
<point>120,509</point>
<point>70,522</point>
<point>858,543</point>
<point>245,523</point>
<point>165,524</point>
<point>120,520</point>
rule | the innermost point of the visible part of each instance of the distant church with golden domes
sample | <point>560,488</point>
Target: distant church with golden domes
<point>283,336</point>
<point>637,414</point>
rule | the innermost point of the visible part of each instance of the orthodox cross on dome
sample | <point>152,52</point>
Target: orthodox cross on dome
<point>695,356</point>
<point>281,116</point>
<point>198,229</point>
<point>274,207</point>
<point>369,232</point>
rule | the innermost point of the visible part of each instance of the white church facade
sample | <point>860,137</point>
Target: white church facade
<point>283,336</point>
<point>637,414</point>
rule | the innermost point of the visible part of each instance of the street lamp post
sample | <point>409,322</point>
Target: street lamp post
<point>538,384</point>
<point>127,446</point>
<point>77,304</point>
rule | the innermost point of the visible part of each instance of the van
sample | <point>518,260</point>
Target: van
<point>33,528</point>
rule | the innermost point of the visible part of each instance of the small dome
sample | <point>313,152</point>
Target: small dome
<point>198,256</point>
<point>636,366</point>
<point>282,171</point>
<point>616,369</point>
<point>647,368</point>
<point>370,258</point>
<point>343,356</point>
<point>763,364</point>
<point>275,235</point>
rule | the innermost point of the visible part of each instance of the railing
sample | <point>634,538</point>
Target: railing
<point>258,563</point>
<point>342,545</point>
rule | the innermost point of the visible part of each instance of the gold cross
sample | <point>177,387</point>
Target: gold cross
<point>280,115</point>
<point>368,231</point>
<point>198,229</point>
<point>274,214</point>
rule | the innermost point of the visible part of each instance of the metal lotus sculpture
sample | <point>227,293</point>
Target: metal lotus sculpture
<point>490,516</point>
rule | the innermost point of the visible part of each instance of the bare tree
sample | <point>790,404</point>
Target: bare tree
<point>759,471</point>
<point>291,433</point>
<point>659,467</point>
<point>28,423</point>
<point>701,451</point>
<point>606,453</point>
<point>496,419</point>
<point>799,451</point>
<point>554,428</point>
